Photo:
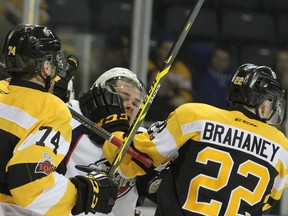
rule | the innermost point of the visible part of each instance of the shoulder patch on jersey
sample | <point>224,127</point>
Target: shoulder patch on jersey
<point>45,166</point>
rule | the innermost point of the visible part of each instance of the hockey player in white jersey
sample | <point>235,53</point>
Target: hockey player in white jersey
<point>86,147</point>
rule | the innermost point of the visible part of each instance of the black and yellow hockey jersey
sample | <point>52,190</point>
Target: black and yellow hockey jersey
<point>35,134</point>
<point>225,162</point>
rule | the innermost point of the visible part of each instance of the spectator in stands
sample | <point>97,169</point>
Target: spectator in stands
<point>111,51</point>
<point>176,89</point>
<point>281,68</point>
<point>213,70</point>
<point>118,50</point>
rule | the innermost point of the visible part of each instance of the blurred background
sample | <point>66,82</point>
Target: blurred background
<point>138,34</point>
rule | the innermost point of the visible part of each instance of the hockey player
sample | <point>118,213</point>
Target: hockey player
<point>35,134</point>
<point>225,162</point>
<point>86,147</point>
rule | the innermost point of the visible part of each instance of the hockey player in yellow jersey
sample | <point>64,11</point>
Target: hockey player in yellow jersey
<point>224,162</point>
<point>35,134</point>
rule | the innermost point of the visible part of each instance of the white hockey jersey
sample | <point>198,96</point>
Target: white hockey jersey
<point>87,153</point>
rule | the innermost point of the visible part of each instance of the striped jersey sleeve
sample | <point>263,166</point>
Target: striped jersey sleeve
<point>238,163</point>
<point>35,137</point>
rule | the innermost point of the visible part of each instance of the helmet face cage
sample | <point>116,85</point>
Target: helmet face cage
<point>276,95</point>
<point>60,60</point>
<point>252,85</point>
<point>118,73</point>
<point>26,45</point>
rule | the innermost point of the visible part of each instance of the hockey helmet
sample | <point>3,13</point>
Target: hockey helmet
<point>251,85</point>
<point>119,73</point>
<point>26,45</point>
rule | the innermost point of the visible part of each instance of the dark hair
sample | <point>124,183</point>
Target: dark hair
<point>224,44</point>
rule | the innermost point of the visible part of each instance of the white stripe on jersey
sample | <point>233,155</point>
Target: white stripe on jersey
<point>16,115</point>
<point>279,184</point>
<point>166,144</point>
<point>47,199</point>
<point>33,138</point>
<point>192,127</point>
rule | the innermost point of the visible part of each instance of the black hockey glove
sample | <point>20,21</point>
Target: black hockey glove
<point>63,77</point>
<point>104,106</point>
<point>96,192</point>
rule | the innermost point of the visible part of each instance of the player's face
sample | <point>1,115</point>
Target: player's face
<point>221,60</point>
<point>266,109</point>
<point>131,98</point>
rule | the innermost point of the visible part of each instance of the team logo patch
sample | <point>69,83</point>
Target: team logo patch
<point>45,166</point>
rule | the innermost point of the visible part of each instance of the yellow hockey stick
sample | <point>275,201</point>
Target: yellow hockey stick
<point>154,89</point>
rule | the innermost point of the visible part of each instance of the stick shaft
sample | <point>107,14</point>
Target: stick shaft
<point>108,136</point>
<point>154,89</point>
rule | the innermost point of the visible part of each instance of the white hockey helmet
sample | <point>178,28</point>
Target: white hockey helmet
<point>119,73</point>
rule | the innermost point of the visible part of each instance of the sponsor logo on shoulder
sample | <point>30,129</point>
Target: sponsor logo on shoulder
<point>45,165</point>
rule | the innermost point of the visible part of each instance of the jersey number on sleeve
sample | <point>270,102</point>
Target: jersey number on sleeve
<point>54,140</point>
<point>215,184</point>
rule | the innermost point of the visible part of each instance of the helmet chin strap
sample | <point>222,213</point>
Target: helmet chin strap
<point>47,83</point>
<point>47,80</point>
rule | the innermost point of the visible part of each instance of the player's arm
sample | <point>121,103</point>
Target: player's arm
<point>35,184</point>
<point>161,143</point>
<point>105,107</point>
<point>31,172</point>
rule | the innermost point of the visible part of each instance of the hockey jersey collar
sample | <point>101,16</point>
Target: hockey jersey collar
<point>27,84</point>
<point>246,112</point>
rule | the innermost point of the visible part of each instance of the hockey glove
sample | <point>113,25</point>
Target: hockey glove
<point>63,77</point>
<point>96,192</point>
<point>104,106</point>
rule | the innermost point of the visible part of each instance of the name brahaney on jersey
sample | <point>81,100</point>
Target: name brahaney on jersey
<point>235,138</point>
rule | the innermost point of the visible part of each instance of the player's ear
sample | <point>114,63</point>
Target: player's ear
<point>47,68</point>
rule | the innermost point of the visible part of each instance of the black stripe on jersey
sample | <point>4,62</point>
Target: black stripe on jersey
<point>9,142</point>
<point>272,201</point>
<point>21,174</point>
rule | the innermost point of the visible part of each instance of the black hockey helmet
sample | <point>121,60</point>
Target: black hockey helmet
<point>251,85</point>
<point>26,45</point>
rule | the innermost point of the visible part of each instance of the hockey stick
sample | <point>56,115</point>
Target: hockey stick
<point>146,161</point>
<point>154,89</point>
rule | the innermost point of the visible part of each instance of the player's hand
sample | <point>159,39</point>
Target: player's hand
<point>96,192</point>
<point>63,77</point>
<point>104,106</point>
